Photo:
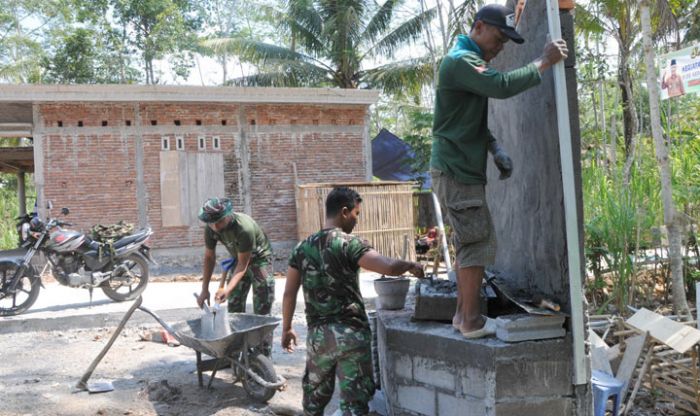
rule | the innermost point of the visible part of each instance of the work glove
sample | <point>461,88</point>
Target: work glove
<point>502,160</point>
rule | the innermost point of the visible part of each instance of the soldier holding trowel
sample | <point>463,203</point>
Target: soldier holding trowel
<point>462,140</point>
<point>249,246</point>
<point>327,265</point>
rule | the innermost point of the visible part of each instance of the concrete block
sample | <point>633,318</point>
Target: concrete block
<point>530,378</point>
<point>553,407</point>
<point>449,405</point>
<point>417,399</point>
<point>475,382</point>
<point>403,366</point>
<point>436,300</point>
<point>524,327</point>
<point>434,372</point>
<point>435,308</point>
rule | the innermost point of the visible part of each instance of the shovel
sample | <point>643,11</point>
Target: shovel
<point>102,386</point>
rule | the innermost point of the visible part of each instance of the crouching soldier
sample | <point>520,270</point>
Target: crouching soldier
<point>327,265</point>
<point>251,249</point>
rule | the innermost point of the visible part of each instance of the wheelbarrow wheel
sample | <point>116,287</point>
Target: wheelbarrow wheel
<point>263,367</point>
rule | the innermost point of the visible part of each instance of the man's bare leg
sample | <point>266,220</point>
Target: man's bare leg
<point>457,319</point>
<point>469,287</point>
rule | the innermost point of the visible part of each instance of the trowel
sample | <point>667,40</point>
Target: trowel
<point>97,386</point>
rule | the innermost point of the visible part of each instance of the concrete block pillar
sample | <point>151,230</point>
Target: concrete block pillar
<point>21,193</point>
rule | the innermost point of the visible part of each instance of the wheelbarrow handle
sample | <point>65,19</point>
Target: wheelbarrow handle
<point>82,384</point>
<point>162,323</point>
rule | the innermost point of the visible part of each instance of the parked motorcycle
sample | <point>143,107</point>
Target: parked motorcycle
<point>23,225</point>
<point>119,268</point>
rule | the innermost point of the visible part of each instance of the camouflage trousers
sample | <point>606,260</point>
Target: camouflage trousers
<point>342,351</point>
<point>261,278</point>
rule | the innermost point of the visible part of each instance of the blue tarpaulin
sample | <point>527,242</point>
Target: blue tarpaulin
<point>392,158</point>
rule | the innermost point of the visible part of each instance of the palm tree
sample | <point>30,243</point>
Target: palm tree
<point>332,43</point>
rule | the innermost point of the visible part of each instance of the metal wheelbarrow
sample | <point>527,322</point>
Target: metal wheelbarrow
<point>238,350</point>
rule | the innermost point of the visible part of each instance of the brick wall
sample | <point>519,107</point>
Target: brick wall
<point>90,158</point>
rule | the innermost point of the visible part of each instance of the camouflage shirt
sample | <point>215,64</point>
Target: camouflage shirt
<point>329,271</point>
<point>242,235</point>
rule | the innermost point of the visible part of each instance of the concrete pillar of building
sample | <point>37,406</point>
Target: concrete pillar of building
<point>367,140</point>
<point>21,193</point>
<point>244,160</point>
<point>141,194</point>
<point>38,141</point>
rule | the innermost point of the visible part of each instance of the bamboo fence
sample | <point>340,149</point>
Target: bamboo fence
<point>386,218</point>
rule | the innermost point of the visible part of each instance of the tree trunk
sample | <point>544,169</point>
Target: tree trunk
<point>680,303</point>
<point>222,59</point>
<point>431,46</point>
<point>629,117</point>
<point>613,136</point>
<point>629,113</point>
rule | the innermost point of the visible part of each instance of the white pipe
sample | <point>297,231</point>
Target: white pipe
<point>443,237</point>
<point>580,375</point>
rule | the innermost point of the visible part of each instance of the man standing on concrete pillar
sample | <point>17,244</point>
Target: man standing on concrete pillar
<point>462,140</point>
<point>250,247</point>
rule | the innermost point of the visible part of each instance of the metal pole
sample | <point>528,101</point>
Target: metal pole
<point>443,237</point>
<point>581,375</point>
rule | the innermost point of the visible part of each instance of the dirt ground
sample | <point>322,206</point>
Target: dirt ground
<point>40,369</point>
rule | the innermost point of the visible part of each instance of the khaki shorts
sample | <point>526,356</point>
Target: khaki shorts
<point>464,209</point>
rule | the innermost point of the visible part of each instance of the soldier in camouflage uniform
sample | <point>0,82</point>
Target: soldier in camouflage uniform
<point>327,266</point>
<point>248,244</point>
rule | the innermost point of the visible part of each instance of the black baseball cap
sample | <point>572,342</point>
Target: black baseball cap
<point>501,17</point>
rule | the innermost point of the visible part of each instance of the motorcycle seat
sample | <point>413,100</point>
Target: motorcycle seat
<point>124,241</point>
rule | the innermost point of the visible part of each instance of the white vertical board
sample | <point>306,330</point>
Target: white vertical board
<point>580,375</point>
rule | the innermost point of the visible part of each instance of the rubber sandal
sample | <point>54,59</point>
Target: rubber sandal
<point>489,328</point>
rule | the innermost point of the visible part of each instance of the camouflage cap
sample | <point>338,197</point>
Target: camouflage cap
<point>215,209</point>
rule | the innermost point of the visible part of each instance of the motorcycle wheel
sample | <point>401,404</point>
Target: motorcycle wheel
<point>122,287</point>
<point>26,294</point>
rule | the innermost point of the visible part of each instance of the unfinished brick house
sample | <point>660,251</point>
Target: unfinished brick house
<point>151,154</point>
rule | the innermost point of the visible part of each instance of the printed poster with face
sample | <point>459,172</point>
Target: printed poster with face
<point>680,72</point>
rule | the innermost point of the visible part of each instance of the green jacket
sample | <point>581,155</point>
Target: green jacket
<point>242,235</point>
<point>460,126</point>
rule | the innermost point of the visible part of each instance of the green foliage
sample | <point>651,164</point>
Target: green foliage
<point>87,56</point>
<point>9,208</point>
<point>420,138</point>
<point>23,26</point>
<point>73,62</point>
<point>160,28</point>
<point>331,42</point>
<point>621,221</point>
